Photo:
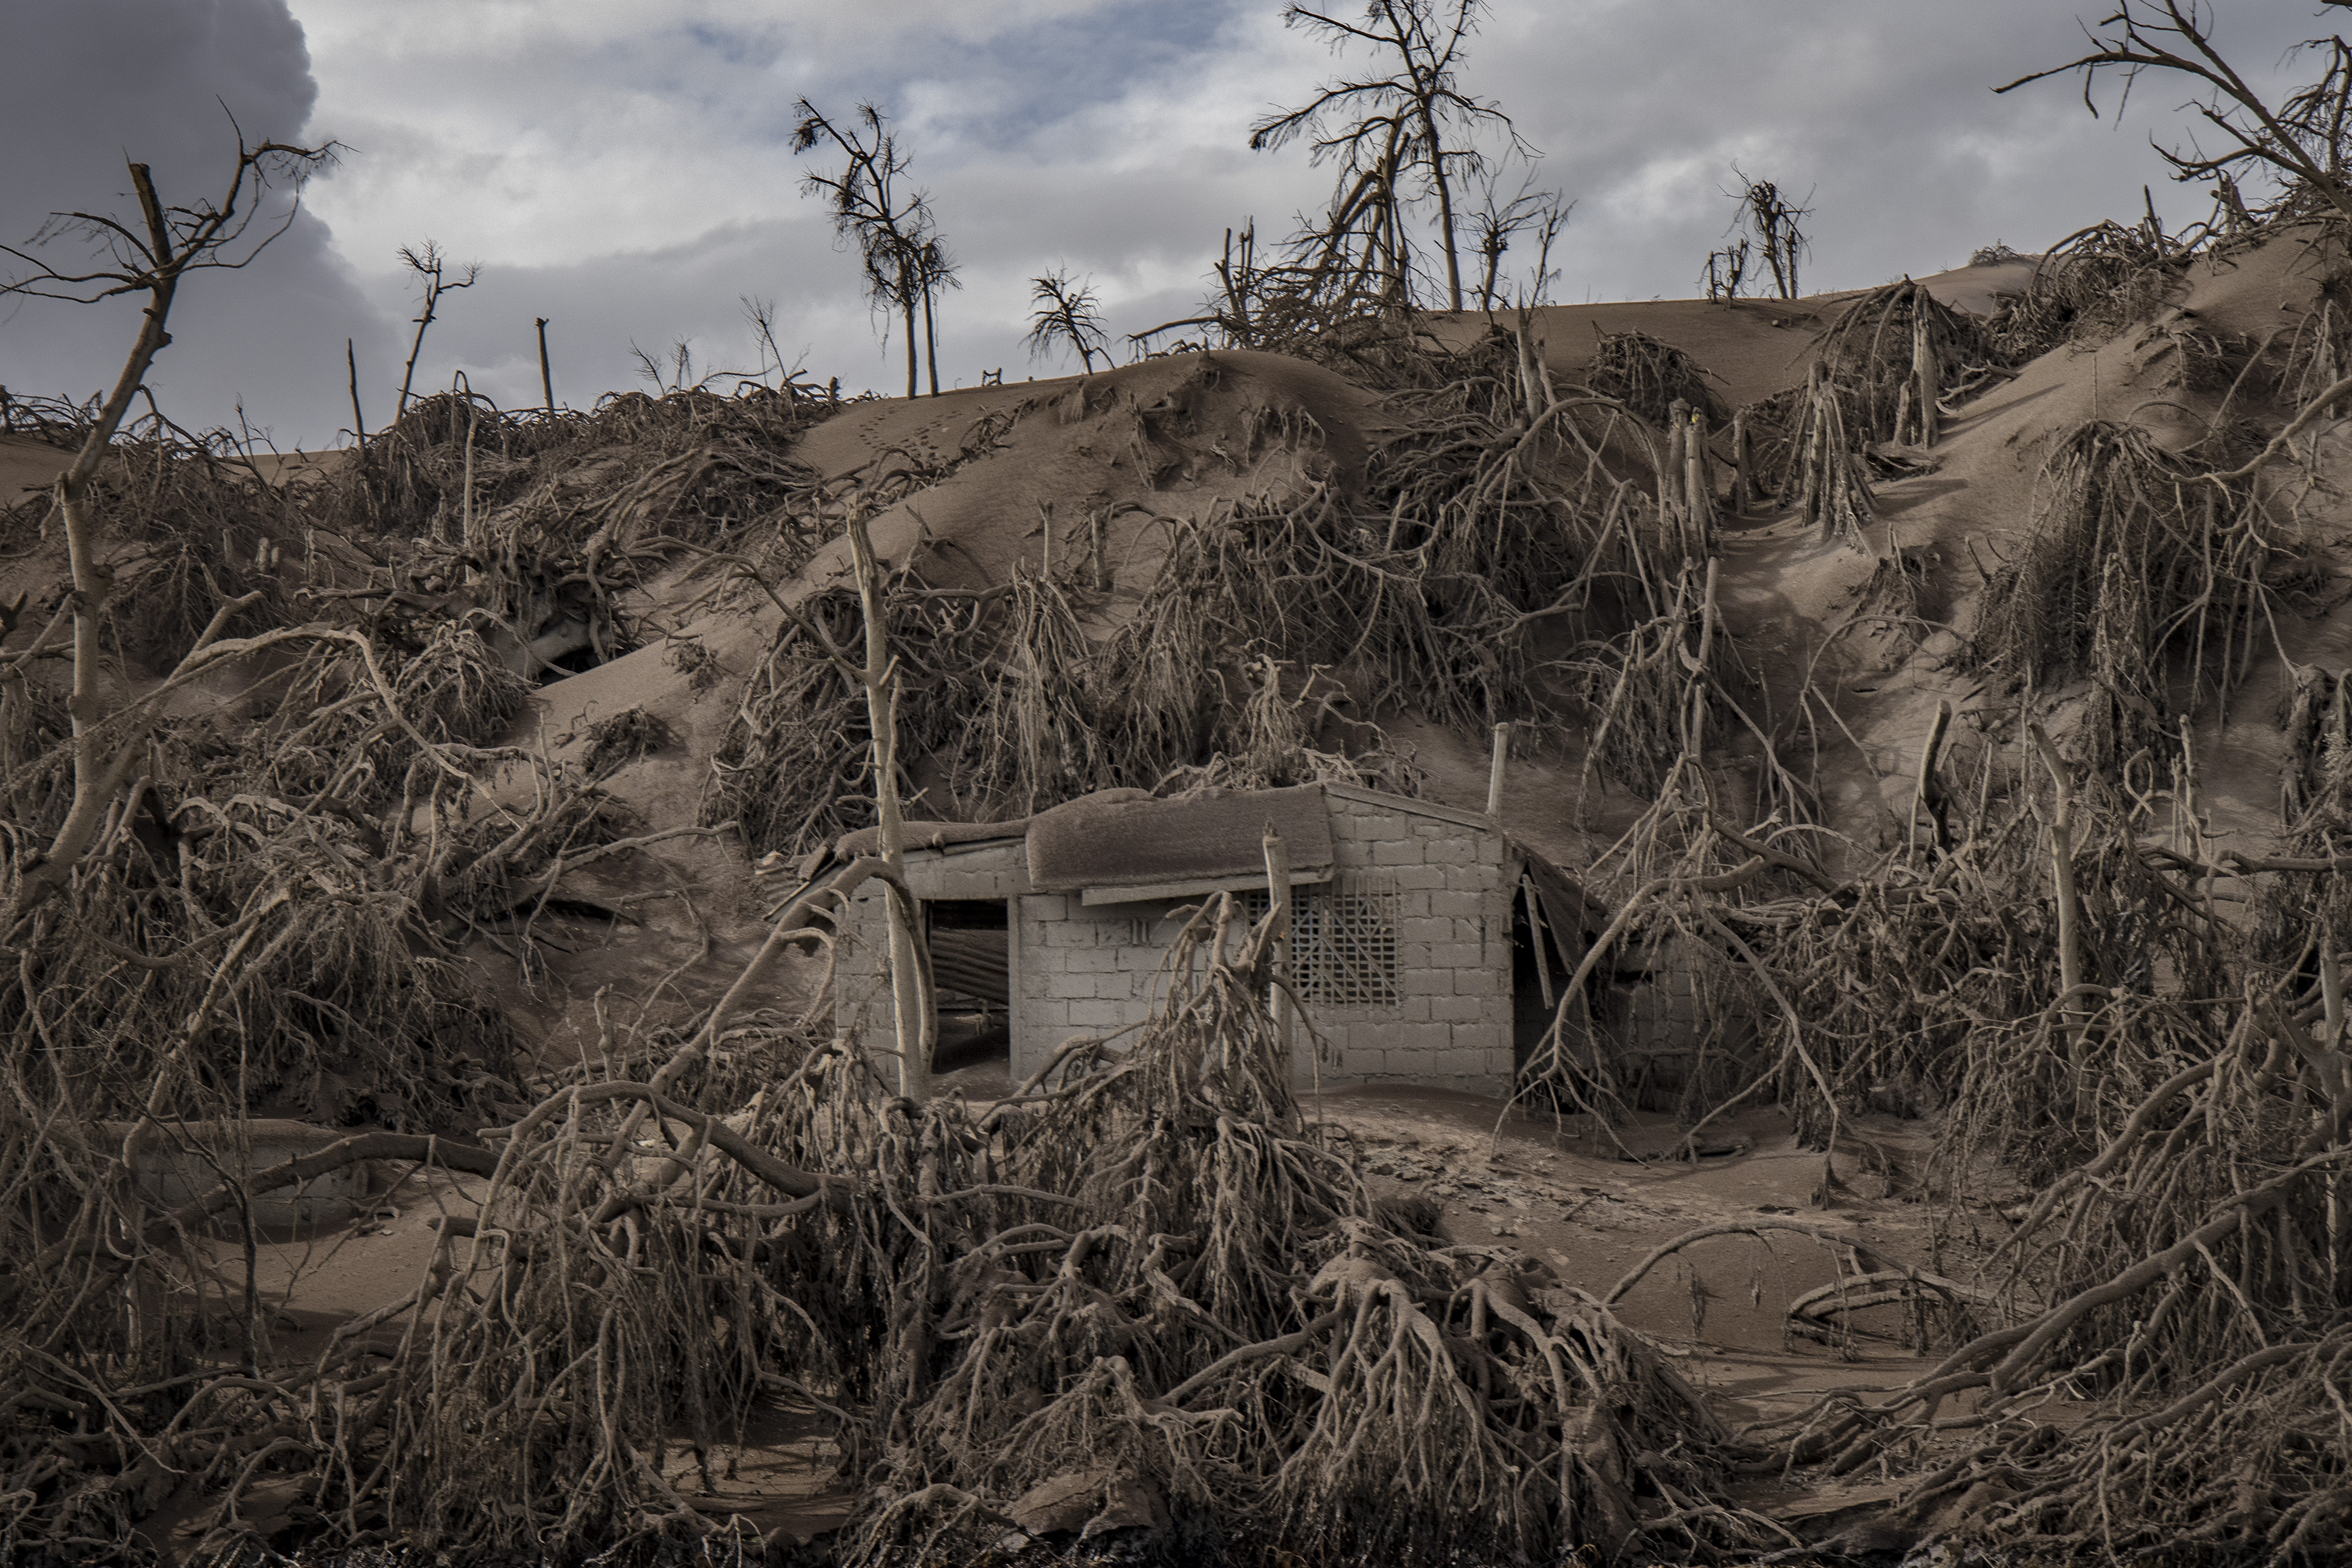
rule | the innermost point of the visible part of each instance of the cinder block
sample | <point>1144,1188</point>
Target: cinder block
<point>1480,1036</point>
<point>1070,987</point>
<point>1490,849</point>
<point>1400,853</point>
<point>1421,980</point>
<point>1471,878</point>
<point>1414,906</point>
<point>1455,1010</point>
<point>1364,1059</point>
<point>1456,850</point>
<point>1046,906</point>
<point>1419,878</point>
<point>1412,1010</point>
<point>1456,955</point>
<point>1035,981</point>
<point>1432,930</point>
<point>1457,905</point>
<point>1093,960</point>
<point>1096,1014</point>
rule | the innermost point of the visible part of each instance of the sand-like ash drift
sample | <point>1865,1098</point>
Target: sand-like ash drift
<point>1145,1292</point>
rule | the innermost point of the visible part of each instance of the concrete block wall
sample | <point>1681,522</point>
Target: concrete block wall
<point>1451,1023</point>
<point>1084,971</point>
<point>1080,968</point>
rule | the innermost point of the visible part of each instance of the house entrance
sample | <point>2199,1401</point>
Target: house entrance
<point>971,961</point>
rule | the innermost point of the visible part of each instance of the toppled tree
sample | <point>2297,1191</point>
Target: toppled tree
<point>1415,123</point>
<point>1067,312</point>
<point>896,235</point>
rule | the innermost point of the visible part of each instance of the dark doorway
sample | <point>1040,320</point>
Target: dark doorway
<point>972,960</point>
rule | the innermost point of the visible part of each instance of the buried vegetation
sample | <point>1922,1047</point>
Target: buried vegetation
<point>1154,1299</point>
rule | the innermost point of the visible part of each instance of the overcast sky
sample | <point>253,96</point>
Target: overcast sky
<point>623,167</point>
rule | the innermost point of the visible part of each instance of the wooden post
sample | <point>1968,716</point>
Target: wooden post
<point>1495,772</point>
<point>1277,894</point>
<point>352,361</point>
<point>546,381</point>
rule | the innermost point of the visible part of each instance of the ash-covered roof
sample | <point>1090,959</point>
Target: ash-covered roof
<point>1097,843</point>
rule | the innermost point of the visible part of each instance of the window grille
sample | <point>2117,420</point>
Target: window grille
<point>1343,945</point>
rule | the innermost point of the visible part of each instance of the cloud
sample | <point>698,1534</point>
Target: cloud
<point>87,85</point>
<point>626,170</point>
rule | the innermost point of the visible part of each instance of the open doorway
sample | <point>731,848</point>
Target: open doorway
<point>971,961</point>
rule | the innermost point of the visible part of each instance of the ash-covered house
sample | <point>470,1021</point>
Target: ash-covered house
<point>1412,949</point>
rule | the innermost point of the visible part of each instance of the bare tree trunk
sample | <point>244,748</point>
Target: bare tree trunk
<point>1923,366</point>
<point>98,775</point>
<point>931,338</point>
<point>912,1014</point>
<point>1673,494</point>
<point>2070,903</point>
<point>1698,489</point>
<point>351,363</point>
<point>906,302</point>
<point>1743,494</point>
<point>1444,206</point>
<point>1277,894</point>
<point>415,347</point>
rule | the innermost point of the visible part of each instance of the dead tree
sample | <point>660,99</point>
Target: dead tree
<point>1067,312</point>
<point>2303,143</point>
<point>935,270</point>
<point>150,255</point>
<point>1774,221</point>
<point>432,273</point>
<point>1726,270</point>
<point>896,235</point>
<point>1496,223</point>
<point>913,1006</point>
<point>1414,121</point>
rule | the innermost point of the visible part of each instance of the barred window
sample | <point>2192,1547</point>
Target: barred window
<point>1343,944</point>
